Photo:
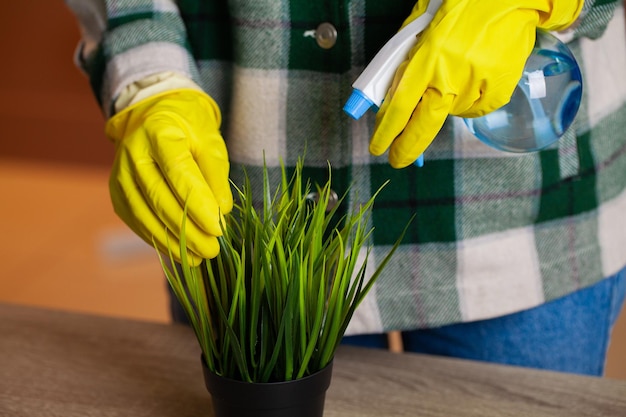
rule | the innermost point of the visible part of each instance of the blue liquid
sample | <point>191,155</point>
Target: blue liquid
<point>531,121</point>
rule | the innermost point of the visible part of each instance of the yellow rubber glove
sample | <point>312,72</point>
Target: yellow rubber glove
<point>169,152</point>
<point>466,63</point>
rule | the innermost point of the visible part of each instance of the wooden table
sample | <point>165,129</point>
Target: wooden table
<point>59,364</point>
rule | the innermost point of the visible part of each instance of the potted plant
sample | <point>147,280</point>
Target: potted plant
<point>271,308</point>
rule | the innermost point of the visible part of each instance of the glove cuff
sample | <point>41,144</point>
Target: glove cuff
<point>117,126</point>
<point>151,85</point>
<point>555,14</point>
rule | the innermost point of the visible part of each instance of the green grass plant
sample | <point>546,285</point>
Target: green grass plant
<point>276,301</point>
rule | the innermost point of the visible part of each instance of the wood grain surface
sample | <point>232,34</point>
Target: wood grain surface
<point>55,363</point>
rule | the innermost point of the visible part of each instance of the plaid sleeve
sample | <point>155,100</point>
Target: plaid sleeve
<point>141,38</point>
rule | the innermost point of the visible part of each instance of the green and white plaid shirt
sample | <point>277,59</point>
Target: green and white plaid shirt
<point>494,232</point>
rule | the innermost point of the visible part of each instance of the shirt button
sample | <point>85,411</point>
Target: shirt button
<point>326,35</point>
<point>333,199</point>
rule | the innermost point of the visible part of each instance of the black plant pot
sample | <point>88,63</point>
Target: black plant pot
<point>298,398</point>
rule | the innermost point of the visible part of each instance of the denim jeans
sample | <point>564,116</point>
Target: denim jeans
<point>570,334</point>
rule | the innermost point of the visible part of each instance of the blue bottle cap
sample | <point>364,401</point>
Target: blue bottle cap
<point>357,104</point>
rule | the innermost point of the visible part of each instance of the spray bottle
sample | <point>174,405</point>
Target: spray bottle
<point>542,107</point>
